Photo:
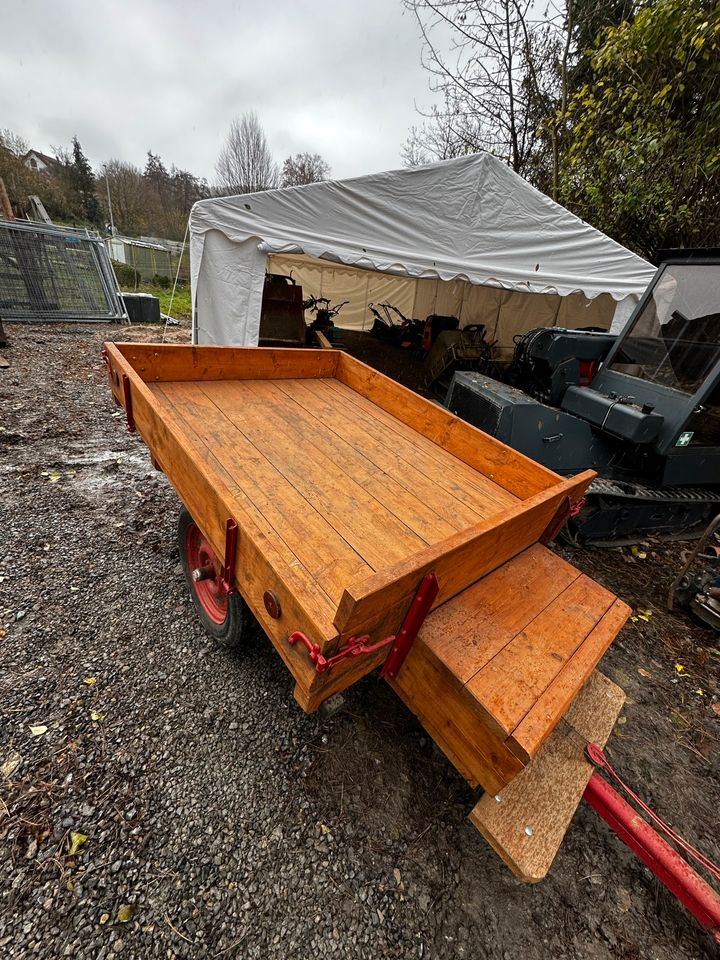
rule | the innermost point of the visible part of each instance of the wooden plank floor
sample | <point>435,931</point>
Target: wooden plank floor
<point>523,641</point>
<point>347,488</point>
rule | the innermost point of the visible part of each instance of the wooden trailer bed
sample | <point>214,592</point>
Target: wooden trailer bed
<point>347,489</point>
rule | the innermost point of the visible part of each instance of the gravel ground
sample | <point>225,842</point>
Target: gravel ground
<point>163,798</point>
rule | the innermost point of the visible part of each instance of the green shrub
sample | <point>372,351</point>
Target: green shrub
<point>162,282</point>
<point>127,277</point>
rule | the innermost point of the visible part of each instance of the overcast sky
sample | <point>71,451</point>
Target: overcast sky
<point>337,78</point>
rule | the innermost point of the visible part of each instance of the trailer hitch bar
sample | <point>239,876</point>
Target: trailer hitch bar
<point>651,847</point>
<point>401,641</point>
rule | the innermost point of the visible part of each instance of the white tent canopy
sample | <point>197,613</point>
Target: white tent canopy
<point>471,220</point>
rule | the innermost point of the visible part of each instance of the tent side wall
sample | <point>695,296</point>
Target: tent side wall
<point>505,313</point>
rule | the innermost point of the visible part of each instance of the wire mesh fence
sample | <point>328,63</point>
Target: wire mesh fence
<point>54,273</point>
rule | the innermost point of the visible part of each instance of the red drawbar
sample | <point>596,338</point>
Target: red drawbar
<point>665,862</point>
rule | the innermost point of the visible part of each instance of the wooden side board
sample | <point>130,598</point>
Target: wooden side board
<point>374,604</point>
<point>514,471</point>
<point>163,362</point>
<point>210,495</point>
<point>492,672</point>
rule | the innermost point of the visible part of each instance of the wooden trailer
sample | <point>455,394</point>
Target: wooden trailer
<point>365,526</point>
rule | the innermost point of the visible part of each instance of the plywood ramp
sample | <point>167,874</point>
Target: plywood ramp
<point>526,821</point>
<point>495,668</point>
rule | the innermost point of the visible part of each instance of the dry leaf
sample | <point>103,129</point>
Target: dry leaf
<point>700,692</point>
<point>96,715</point>
<point>398,876</point>
<point>715,707</point>
<point>638,552</point>
<point>104,917</point>
<point>38,729</point>
<point>54,477</point>
<point>76,841</point>
<point>11,764</point>
<point>125,912</point>
<point>90,680</point>
<point>679,667</point>
<point>644,673</point>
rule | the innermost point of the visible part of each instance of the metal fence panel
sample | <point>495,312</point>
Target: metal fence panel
<point>55,273</point>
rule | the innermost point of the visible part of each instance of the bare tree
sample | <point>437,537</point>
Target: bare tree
<point>304,168</point>
<point>13,142</point>
<point>501,68</point>
<point>245,164</point>
<point>133,203</point>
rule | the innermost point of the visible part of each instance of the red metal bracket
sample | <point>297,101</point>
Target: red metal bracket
<point>401,641</point>
<point>228,569</point>
<point>127,397</point>
<point>405,637</point>
<point>654,851</point>
<point>564,512</point>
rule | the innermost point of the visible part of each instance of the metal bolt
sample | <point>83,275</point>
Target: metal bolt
<point>202,573</point>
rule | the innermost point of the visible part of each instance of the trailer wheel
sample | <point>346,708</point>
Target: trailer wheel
<point>222,615</point>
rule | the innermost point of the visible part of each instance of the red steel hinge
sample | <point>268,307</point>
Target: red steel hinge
<point>567,509</point>
<point>228,569</point>
<point>127,397</point>
<point>401,641</point>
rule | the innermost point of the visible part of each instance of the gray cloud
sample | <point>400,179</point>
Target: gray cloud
<point>337,78</point>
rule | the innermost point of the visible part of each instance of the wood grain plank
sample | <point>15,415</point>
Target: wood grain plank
<point>546,794</point>
<point>474,626</point>
<point>176,362</point>
<point>431,481</point>
<point>533,729</point>
<point>510,684</point>
<point>212,497</point>
<point>328,558</point>
<point>467,484</point>
<point>360,519</point>
<point>347,451</point>
<point>458,562</point>
<point>449,714</point>
<point>517,473</point>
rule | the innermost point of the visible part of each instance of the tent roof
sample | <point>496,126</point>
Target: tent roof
<point>470,218</point>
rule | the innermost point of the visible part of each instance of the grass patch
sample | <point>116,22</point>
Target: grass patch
<point>181,305</point>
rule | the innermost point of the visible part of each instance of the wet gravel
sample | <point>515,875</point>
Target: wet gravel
<point>160,797</point>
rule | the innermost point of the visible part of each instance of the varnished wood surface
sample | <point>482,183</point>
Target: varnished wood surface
<point>327,476</point>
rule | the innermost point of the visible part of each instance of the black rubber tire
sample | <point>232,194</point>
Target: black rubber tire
<point>229,633</point>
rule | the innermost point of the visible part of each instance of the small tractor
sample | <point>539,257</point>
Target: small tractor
<point>641,408</point>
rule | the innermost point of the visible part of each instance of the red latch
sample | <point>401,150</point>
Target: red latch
<point>401,641</point>
<point>228,570</point>
<point>127,397</point>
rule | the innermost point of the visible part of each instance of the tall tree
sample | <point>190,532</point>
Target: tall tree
<point>83,180</point>
<point>129,195</point>
<point>644,164</point>
<point>303,168</point>
<point>500,70</point>
<point>245,164</point>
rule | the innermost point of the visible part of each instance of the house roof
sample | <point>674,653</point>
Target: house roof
<point>48,161</point>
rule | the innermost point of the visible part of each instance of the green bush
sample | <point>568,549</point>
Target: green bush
<point>127,277</point>
<point>162,282</point>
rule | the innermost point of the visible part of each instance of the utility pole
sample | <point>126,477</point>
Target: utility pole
<point>107,186</point>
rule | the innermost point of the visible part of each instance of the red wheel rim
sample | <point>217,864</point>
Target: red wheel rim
<point>210,591</point>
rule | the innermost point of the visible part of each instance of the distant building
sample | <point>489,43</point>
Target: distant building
<point>40,162</point>
<point>149,259</point>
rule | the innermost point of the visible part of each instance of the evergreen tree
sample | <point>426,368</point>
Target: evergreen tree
<point>83,180</point>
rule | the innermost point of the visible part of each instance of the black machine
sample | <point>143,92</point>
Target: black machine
<point>642,408</point>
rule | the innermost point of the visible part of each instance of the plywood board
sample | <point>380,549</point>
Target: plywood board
<point>526,821</point>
